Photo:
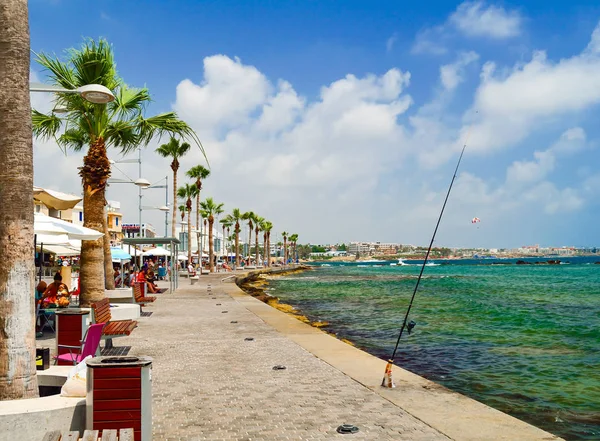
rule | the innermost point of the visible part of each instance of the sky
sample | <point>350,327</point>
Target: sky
<point>343,121</point>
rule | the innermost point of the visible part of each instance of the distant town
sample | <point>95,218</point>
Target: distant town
<point>391,250</point>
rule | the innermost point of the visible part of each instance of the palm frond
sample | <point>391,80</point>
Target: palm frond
<point>61,74</point>
<point>129,102</point>
<point>167,124</point>
<point>45,126</point>
<point>198,172</point>
<point>75,139</point>
<point>121,134</point>
<point>94,63</point>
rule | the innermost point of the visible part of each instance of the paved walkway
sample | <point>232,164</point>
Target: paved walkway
<point>210,383</point>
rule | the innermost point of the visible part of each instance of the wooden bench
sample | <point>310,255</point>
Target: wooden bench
<point>119,328</point>
<point>90,435</point>
<point>139,295</point>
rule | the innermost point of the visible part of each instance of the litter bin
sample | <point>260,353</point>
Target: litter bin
<point>71,326</point>
<point>119,395</point>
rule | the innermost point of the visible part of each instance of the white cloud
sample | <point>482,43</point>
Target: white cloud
<point>472,19</point>
<point>390,42</point>
<point>475,19</point>
<point>452,75</point>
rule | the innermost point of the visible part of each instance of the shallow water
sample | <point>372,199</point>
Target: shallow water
<point>524,339</point>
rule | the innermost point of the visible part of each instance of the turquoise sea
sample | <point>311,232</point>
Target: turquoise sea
<point>524,339</point>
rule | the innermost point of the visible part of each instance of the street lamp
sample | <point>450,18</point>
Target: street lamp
<point>166,187</point>
<point>93,93</point>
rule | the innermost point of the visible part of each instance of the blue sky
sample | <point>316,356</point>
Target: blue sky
<point>342,121</point>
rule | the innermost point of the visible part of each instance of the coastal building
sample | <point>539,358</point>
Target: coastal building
<point>361,248</point>
<point>114,220</point>
<point>133,230</point>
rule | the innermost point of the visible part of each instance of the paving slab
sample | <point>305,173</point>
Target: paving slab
<point>211,383</point>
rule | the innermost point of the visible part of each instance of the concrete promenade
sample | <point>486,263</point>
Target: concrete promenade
<point>211,383</point>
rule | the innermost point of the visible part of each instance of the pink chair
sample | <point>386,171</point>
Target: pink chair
<point>89,345</point>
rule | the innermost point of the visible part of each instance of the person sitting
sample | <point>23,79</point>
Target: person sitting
<point>191,270</point>
<point>225,266</point>
<point>53,291</point>
<point>118,277</point>
<point>151,278</point>
<point>141,278</point>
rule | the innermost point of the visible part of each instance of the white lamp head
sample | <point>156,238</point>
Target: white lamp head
<point>96,93</point>
<point>164,208</point>
<point>144,183</point>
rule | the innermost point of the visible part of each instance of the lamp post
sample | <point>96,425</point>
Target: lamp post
<point>166,187</point>
<point>93,93</point>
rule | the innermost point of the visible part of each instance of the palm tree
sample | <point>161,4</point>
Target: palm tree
<point>225,223</point>
<point>249,216</point>
<point>174,149</point>
<point>186,193</point>
<point>120,123</point>
<point>182,211</point>
<point>267,226</point>
<point>198,173</point>
<point>293,239</point>
<point>17,313</point>
<point>234,218</point>
<point>209,211</point>
<point>285,235</point>
<point>257,221</point>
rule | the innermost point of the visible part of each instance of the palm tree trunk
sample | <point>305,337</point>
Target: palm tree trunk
<point>249,242</point>
<point>211,265</point>
<point>264,248</point>
<point>174,217</point>
<point>285,251</point>
<point>256,247</point>
<point>17,312</point>
<point>109,274</point>
<point>94,173</point>
<point>198,227</point>
<point>189,237</point>
<point>237,245</point>
<point>268,249</point>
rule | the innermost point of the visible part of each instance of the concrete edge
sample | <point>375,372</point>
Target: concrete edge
<point>453,414</point>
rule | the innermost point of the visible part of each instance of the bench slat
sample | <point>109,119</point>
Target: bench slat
<point>70,436</point>
<point>109,435</point>
<point>126,435</point>
<point>90,435</point>
<point>52,436</point>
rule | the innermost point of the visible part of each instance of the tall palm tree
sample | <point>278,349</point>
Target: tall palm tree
<point>120,123</point>
<point>17,313</point>
<point>267,226</point>
<point>293,239</point>
<point>234,218</point>
<point>198,173</point>
<point>186,193</point>
<point>174,149</point>
<point>209,210</point>
<point>225,223</point>
<point>285,235</point>
<point>257,221</point>
<point>249,216</point>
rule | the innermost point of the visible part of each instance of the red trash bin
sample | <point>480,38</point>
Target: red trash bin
<point>119,395</point>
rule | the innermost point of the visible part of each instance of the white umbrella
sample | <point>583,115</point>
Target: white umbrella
<point>182,256</point>
<point>49,225</point>
<point>156,252</point>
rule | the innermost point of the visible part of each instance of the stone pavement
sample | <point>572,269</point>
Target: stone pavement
<point>210,383</point>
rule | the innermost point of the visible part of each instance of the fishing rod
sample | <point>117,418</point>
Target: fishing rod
<point>387,378</point>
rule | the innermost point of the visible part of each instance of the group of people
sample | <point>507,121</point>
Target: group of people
<point>50,296</point>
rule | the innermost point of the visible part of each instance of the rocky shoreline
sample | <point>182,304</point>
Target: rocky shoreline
<point>256,282</point>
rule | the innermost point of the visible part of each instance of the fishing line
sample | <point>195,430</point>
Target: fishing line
<point>412,324</point>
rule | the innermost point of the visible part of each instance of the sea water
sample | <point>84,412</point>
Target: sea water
<point>524,339</point>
